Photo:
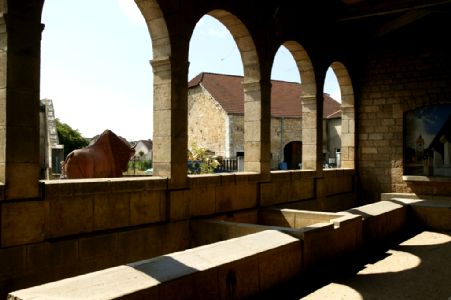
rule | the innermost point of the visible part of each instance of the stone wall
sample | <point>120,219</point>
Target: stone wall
<point>283,131</point>
<point>331,138</point>
<point>236,132</point>
<point>206,122</point>
<point>393,82</point>
<point>210,127</point>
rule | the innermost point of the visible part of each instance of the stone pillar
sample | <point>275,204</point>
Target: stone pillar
<point>20,54</point>
<point>257,126</point>
<point>319,131</point>
<point>310,141</point>
<point>347,136</point>
<point>170,121</point>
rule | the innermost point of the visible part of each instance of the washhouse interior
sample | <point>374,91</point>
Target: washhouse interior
<point>259,232</point>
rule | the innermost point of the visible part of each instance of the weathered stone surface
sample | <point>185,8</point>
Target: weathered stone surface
<point>147,207</point>
<point>24,222</point>
<point>234,268</point>
<point>71,215</point>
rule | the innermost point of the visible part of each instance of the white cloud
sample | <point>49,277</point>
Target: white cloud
<point>131,10</point>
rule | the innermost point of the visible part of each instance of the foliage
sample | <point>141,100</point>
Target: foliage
<point>200,160</point>
<point>70,138</point>
<point>138,165</point>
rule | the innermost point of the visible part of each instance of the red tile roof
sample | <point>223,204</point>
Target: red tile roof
<point>228,91</point>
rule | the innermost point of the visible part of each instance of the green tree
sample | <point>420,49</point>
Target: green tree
<point>70,138</point>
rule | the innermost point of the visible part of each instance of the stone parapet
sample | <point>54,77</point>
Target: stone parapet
<point>232,269</point>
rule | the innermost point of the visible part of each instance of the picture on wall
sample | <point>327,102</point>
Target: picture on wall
<point>427,141</point>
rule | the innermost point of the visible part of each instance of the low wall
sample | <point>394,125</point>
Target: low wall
<point>428,211</point>
<point>381,220</point>
<point>232,269</point>
<point>67,228</point>
<point>324,235</point>
<point>293,218</point>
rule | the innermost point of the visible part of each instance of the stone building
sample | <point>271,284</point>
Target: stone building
<point>216,119</point>
<point>144,147</point>
<point>252,232</point>
<point>51,152</point>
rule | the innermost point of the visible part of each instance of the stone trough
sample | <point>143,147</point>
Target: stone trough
<point>237,255</point>
<point>232,256</point>
<point>341,230</point>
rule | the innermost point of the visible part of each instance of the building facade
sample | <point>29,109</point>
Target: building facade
<point>51,152</point>
<point>143,150</point>
<point>216,119</point>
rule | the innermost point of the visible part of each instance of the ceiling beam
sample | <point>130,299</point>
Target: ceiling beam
<point>406,9</point>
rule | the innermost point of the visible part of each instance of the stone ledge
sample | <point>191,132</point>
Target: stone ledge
<point>389,196</point>
<point>69,187</point>
<point>375,209</point>
<point>381,219</point>
<point>425,178</point>
<point>2,191</point>
<point>434,214</point>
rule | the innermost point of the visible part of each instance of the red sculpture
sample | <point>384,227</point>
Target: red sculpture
<point>108,156</point>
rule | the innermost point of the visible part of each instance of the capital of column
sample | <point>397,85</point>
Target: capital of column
<point>251,86</point>
<point>308,100</point>
<point>161,64</point>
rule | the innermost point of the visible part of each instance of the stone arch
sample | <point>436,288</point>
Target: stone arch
<point>161,46</point>
<point>347,115</point>
<point>254,106</point>
<point>244,42</point>
<point>309,104</point>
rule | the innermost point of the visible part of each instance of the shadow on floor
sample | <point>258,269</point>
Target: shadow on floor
<point>415,265</point>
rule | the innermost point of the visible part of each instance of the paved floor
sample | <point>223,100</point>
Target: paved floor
<point>417,268</point>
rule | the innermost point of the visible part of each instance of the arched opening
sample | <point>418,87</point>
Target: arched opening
<point>332,129</point>
<point>215,100</point>
<point>219,95</point>
<point>96,74</point>
<point>309,106</point>
<point>301,102</point>
<point>286,108</point>
<point>347,150</point>
<point>293,155</point>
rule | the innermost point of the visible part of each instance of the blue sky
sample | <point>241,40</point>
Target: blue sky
<point>95,64</point>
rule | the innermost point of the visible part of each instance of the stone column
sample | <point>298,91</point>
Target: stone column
<point>347,136</point>
<point>20,54</point>
<point>257,126</point>
<point>310,141</point>
<point>347,116</point>
<point>170,121</point>
<point>319,132</point>
<point>347,126</point>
